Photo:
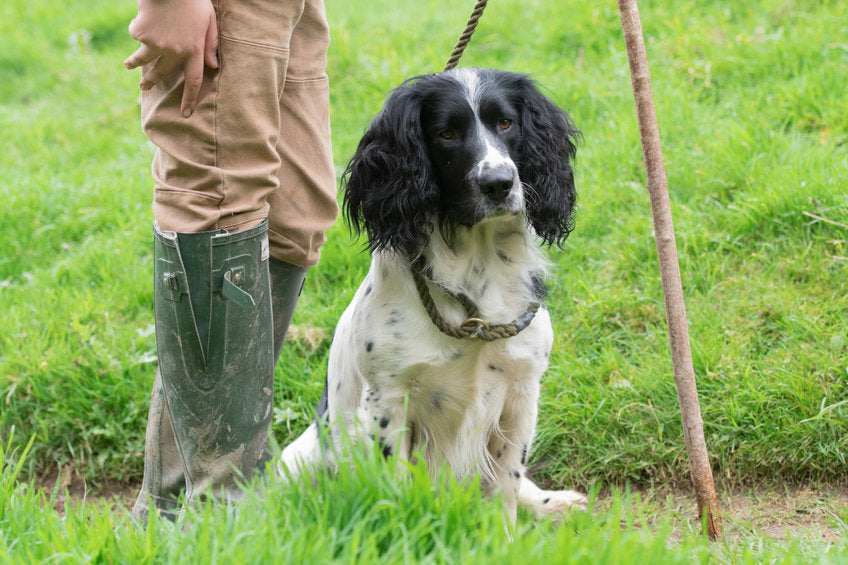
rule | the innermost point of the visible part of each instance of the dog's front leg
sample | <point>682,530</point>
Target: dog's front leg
<point>394,436</point>
<point>387,420</point>
<point>507,448</point>
<point>517,427</point>
<point>510,447</point>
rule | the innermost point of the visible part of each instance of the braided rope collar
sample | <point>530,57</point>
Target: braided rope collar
<point>473,327</point>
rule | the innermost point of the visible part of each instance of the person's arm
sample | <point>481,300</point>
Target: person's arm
<point>175,35</point>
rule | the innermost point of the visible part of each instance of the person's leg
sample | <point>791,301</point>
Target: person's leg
<point>218,168</point>
<point>304,206</point>
<point>215,333</point>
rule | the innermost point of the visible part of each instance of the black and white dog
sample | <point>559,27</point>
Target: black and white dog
<point>455,181</point>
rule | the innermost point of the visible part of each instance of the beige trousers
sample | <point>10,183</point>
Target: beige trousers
<point>258,143</point>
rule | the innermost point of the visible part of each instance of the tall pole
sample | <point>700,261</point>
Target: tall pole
<point>675,310</point>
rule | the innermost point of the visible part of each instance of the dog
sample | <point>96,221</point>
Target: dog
<point>459,183</point>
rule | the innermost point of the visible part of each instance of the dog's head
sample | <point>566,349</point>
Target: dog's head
<point>462,146</point>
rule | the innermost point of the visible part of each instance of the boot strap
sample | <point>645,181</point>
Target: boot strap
<point>231,290</point>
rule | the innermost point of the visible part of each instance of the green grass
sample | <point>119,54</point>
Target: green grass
<point>368,514</point>
<point>754,121</point>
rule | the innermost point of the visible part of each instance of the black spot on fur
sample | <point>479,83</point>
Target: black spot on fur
<point>394,318</point>
<point>546,501</point>
<point>384,422</point>
<point>385,448</point>
<point>537,286</point>
<point>515,474</point>
<point>499,454</point>
<point>524,455</point>
<point>495,368</point>
<point>369,345</point>
<point>368,290</point>
<point>436,400</point>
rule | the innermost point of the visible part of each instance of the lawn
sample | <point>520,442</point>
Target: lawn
<point>754,122</point>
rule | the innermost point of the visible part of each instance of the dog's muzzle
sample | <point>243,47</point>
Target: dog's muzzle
<point>496,183</point>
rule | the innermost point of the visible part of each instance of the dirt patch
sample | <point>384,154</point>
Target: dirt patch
<point>789,512</point>
<point>71,487</point>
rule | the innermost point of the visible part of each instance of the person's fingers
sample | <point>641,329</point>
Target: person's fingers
<point>163,67</point>
<point>191,88</point>
<point>210,54</point>
<point>142,56</point>
<point>135,28</point>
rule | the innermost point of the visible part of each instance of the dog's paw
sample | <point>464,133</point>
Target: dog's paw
<point>554,502</point>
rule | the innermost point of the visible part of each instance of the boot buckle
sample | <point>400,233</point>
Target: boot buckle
<point>230,288</point>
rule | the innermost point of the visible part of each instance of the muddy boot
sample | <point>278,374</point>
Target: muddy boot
<point>286,284</point>
<point>164,480</point>
<point>214,335</point>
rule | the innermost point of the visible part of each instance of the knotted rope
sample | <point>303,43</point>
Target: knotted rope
<point>473,327</point>
<point>465,38</point>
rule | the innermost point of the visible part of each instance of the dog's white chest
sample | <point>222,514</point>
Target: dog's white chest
<point>450,391</point>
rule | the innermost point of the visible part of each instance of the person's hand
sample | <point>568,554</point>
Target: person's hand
<point>175,35</point>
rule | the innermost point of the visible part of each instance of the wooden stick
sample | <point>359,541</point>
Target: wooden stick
<point>678,330</point>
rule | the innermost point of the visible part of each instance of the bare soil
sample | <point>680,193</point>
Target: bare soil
<point>72,487</point>
<point>787,512</point>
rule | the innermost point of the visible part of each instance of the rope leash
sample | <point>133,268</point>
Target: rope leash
<point>473,327</point>
<point>465,38</point>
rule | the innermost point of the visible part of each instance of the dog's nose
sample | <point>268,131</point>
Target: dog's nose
<point>496,183</point>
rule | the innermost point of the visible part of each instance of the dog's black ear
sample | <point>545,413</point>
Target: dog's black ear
<point>389,189</point>
<point>548,147</point>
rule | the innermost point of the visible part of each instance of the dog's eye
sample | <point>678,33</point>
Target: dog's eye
<point>447,134</point>
<point>504,124</point>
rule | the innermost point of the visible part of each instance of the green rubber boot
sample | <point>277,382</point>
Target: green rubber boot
<point>214,334</point>
<point>164,480</point>
<point>286,285</point>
